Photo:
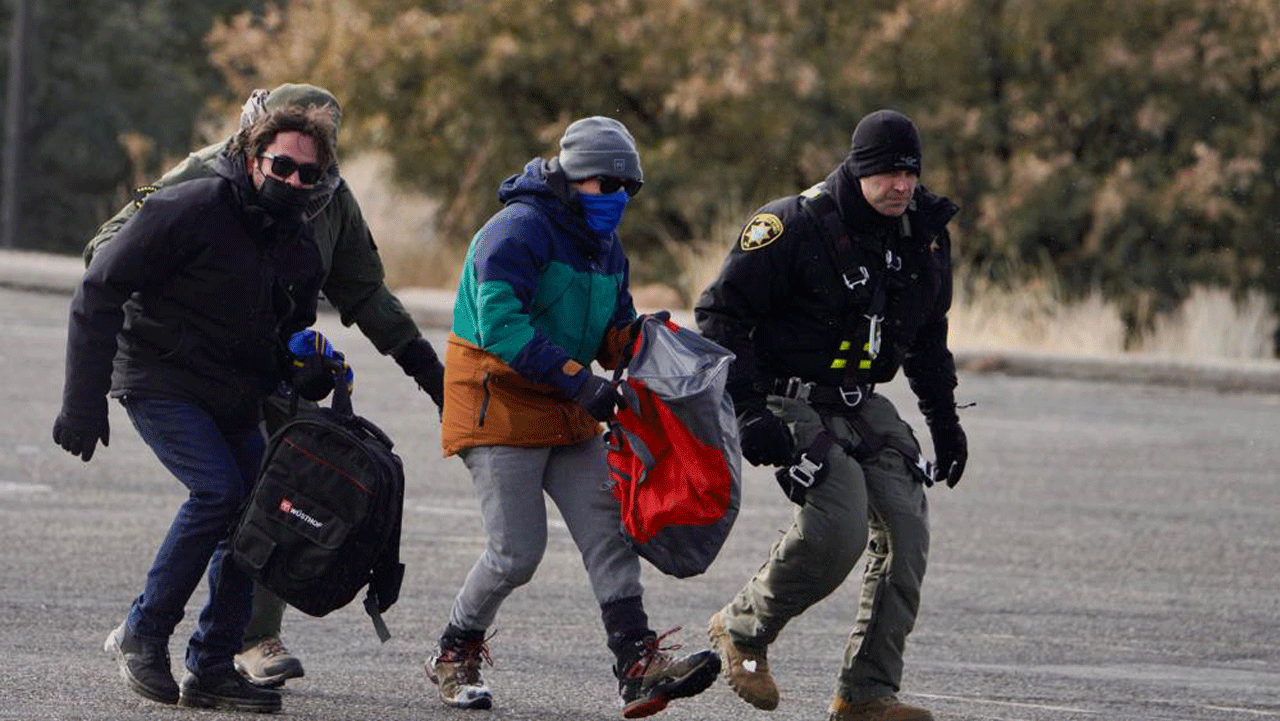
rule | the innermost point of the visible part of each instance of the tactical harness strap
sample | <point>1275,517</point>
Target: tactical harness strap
<point>838,397</point>
<point>870,293</point>
<point>867,286</point>
<point>806,471</point>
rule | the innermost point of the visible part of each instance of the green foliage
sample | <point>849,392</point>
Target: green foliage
<point>114,88</point>
<point>1131,149</point>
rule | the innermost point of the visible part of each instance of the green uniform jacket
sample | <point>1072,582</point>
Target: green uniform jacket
<point>354,279</point>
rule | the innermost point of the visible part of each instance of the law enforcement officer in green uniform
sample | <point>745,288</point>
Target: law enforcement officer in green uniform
<point>825,295</point>
<point>353,283</point>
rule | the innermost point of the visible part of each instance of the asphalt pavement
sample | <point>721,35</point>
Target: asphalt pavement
<point>1112,552</point>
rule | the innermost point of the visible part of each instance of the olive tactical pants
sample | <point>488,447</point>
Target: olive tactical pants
<point>879,499</point>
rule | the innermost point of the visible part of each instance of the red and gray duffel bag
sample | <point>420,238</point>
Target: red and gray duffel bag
<point>674,458</point>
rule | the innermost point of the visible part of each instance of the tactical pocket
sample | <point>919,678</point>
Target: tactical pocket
<point>314,531</point>
<point>252,546</point>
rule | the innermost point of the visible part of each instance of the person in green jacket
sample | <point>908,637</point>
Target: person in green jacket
<point>354,283</point>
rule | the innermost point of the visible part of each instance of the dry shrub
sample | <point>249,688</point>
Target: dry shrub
<point>699,263</point>
<point>402,223</point>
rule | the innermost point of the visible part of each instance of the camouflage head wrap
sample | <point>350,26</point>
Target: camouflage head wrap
<point>299,94</point>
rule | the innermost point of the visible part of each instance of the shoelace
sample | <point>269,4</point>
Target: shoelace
<point>653,651</point>
<point>469,655</point>
<point>273,647</point>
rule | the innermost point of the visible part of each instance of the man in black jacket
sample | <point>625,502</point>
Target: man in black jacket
<point>184,318</point>
<point>825,295</point>
<point>353,283</point>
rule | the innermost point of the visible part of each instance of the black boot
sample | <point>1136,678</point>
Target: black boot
<point>143,664</point>
<point>228,690</point>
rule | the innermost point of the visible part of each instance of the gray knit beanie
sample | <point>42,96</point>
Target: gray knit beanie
<point>599,146</point>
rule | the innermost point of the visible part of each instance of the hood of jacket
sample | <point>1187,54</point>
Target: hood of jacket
<point>542,185</point>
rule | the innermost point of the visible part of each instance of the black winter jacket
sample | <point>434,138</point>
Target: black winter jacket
<point>783,306</point>
<point>194,300</point>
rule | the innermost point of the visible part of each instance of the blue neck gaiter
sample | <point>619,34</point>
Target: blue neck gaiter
<point>604,212</point>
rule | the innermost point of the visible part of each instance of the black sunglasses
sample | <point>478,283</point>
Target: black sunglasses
<point>282,166</point>
<point>610,184</point>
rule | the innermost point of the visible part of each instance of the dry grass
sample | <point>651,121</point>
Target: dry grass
<point>986,317</point>
<point>401,222</point>
<point>1212,323</point>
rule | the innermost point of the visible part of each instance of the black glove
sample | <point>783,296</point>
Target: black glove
<point>419,360</point>
<point>78,434</point>
<point>766,441</point>
<point>951,449</point>
<point>597,396</point>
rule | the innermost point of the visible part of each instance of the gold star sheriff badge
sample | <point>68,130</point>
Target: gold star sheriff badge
<point>761,231</point>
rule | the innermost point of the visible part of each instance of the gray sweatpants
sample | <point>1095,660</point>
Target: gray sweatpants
<point>879,500</point>
<point>509,482</point>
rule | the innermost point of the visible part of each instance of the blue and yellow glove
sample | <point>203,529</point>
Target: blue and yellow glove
<point>315,362</point>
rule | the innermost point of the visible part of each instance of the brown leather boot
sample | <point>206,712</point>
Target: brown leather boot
<point>886,708</point>
<point>747,670</point>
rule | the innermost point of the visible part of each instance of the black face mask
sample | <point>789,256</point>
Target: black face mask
<point>284,201</point>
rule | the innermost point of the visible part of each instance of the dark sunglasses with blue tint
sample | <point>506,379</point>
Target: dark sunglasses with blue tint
<point>282,166</point>
<point>610,184</point>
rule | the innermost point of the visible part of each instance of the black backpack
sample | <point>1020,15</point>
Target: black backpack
<point>323,520</point>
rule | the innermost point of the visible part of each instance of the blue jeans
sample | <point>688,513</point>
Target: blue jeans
<point>218,466</point>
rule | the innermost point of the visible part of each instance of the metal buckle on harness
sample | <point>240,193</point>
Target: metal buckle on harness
<point>851,284</point>
<point>804,471</point>
<point>852,396</point>
<point>798,389</point>
<point>927,469</point>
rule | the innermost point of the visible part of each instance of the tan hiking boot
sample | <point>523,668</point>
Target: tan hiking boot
<point>456,671</point>
<point>268,664</point>
<point>747,670</point>
<point>887,708</point>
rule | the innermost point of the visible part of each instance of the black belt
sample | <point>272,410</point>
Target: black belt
<point>818,395</point>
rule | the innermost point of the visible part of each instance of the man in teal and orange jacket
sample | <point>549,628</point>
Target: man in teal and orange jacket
<point>544,293</point>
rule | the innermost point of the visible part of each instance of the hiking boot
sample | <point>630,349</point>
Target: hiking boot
<point>143,664</point>
<point>746,670</point>
<point>268,663</point>
<point>227,690</point>
<point>650,678</point>
<point>455,669</point>
<point>885,708</point>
